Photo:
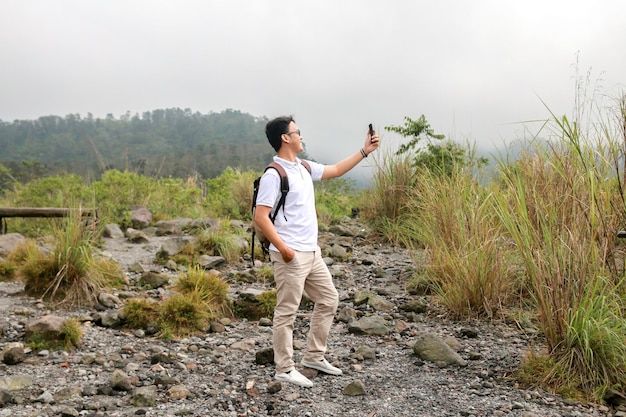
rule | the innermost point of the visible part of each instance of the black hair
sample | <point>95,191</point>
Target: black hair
<point>275,128</point>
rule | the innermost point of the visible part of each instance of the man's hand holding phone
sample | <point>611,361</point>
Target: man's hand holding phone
<point>371,142</point>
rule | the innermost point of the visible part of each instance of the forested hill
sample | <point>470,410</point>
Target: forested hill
<point>169,142</point>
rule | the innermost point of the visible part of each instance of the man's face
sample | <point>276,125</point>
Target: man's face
<point>294,138</point>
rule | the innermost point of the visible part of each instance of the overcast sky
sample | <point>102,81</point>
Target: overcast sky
<point>474,68</point>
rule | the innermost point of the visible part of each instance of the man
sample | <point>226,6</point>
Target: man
<point>294,252</point>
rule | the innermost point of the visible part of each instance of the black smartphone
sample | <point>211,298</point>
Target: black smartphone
<point>371,132</point>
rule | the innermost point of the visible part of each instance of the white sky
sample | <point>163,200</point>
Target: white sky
<point>474,68</point>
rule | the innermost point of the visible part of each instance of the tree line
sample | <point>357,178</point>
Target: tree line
<point>161,143</point>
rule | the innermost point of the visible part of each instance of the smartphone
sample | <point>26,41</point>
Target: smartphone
<point>371,133</point>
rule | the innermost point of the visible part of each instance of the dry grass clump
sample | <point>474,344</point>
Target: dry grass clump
<point>69,275</point>
<point>200,297</point>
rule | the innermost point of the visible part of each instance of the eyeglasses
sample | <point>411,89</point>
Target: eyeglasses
<point>295,131</point>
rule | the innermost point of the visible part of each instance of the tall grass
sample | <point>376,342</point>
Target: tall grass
<point>562,206</point>
<point>384,206</point>
<point>541,234</point>
<point>469,264</point>
<point>70,274</point>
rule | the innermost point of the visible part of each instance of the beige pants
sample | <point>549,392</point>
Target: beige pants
<point>306,272</point>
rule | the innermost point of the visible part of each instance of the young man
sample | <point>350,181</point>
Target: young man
<point>294,252</point>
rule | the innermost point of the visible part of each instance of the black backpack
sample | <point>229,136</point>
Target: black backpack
<point>284,189</point>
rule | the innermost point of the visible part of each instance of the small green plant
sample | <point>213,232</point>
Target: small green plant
<point>267,303</point>
<point>209,286</point>
<point>265,274</point>
<point>184,314</point>
<point>254,308</point>
<point>72,334</point>
<point>220,241</point>
<point>230,194</point>
<point>7,270</point>
<point>138,313</point>
<point>69,275</point>
<point>334,199</point>
<point>70,337</point>
<point>384,206</point>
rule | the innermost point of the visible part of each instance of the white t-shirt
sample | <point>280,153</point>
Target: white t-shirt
<point>296,222</point>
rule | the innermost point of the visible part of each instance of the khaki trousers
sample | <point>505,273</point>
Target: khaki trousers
<point>308,273</point>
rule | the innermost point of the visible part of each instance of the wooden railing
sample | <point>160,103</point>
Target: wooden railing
<point>6,212</point>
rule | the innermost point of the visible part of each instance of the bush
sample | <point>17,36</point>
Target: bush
<point>69,275</point>
<point>7,270</point>
<point>139,313</point>
<point>184,314</point>
<point>220,241</point>
<point>210,287</point>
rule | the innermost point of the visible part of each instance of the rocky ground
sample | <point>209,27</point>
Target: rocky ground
<point>117,372</point>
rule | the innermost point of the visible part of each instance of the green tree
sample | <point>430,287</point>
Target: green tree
<point>441,158</point>
<point>417,130</point>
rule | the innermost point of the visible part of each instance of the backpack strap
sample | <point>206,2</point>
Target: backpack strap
<point>284,184</point>
<point>284,187</point>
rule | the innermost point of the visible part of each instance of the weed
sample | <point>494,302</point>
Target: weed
<point>69,275</point>
<point>140,312</point>
<point>7,270</point>
<point>210,288</point>
<point>184,314</point>
<point>219,241</point>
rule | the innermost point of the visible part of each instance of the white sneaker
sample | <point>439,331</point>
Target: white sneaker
<point>294,377</point>
<point>322,365</point>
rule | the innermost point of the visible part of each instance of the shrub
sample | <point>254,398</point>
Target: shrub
<point>334,199</point>
<point>384,206</point>
<point>468,264</point>
<point>230,194</point>
<point>72,334</point>
<point>7,270</point>
<point>69,275</point>
<point>220,241</point>
<point>254,308</point>
<point>139,313</point>
<point>184,314</point>
<point>210,287</point>
<point>70,337</point>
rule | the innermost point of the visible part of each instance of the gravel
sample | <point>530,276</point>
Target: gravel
<point>217,374</point>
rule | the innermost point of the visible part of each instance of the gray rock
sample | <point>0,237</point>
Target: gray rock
<point>153,280</point>
<point>173,226</point>
<point>140,217</point>
<point>372,325</point>
<point>109,300</point>
<point>144,396</point>
<point>120,381</point>
<point>341,230</point>
<point>136,268</point>
<point>109,319</point>
<point>347,315</point>
<point>414,306</point>
<point>49,327</point>
<point>5,398</point>
<point>379,303</point>
<point>16,383</point>
<point>208,262</point>
<point>430,347</point>
<point>13,355</point>
<point>112,231</point>
<point>354,389</point>
<point>136,236</point>
<point>336,252</point>
<point>9,242</point>
<point>364,352</point>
